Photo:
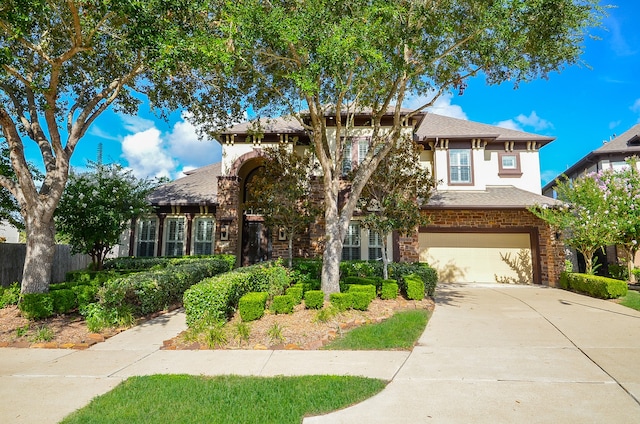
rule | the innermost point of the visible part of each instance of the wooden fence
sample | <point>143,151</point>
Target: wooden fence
<point>12,261</point>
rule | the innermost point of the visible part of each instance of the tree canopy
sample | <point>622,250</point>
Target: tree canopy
<point>318,58</point>
<point>64,62</point>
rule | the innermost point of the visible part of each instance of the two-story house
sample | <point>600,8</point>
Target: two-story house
<point>611,155</point>
<point>478,217</point>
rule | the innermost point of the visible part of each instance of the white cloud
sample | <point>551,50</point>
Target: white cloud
<point>146,155</point>
<point>442,105</point>
<point>636,106</point>
<point>100,133</point>
<point>548,176</point>
<point>509,124</point>
<point>135,124</point>
<point>185,146</point>
<point>522,121</point>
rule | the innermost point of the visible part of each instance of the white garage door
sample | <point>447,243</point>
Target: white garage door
<point>478,257</point>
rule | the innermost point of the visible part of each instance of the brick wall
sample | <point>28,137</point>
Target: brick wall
<point>227,214</point>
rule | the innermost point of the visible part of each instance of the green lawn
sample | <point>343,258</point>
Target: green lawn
<point>631,300</point>
<point>225,399</point>
<point>401,331</point>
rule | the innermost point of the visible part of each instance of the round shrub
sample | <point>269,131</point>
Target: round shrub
<point>314,299</point>
<point>389,291</point>
<point>282,304</point>
<point>64,300</point>
<point>251,305</point>
<point>415,287</point>
<point>360,300</point>
<point>36,306</point>
<point>341,301</point>
<point>296,292</point>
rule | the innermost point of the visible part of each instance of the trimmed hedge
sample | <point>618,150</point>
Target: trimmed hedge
<point>314,299</point>
<point>251,306</point>
<point>152,291</point>
<point>414,287</point>
<point>360,299</point>
<point>296,291</point>
<point>341,301</point>
<point>428,275</point>
<point>593,285</point>
<point>363,281</point>
<point>215,299</point>
<point>282,304</point>
<point>35,306</point>
<point>64,301</point>
<point>369,290</point>
<point>140,264</point>
<point>389,290</point>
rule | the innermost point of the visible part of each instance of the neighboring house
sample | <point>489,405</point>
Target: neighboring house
<point>479,217</point>
<point>611,155</point>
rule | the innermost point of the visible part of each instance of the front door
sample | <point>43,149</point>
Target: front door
<point>256,243</point>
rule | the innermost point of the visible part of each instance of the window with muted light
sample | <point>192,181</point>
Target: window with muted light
<point>460,166</point>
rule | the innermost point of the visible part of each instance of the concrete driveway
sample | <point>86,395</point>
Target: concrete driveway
<point>513,354</point>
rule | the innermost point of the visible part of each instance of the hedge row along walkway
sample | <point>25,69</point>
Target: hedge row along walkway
<point>489,354</point>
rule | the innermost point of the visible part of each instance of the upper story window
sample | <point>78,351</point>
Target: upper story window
<point>509,164</point>
<point>146,232</point>
<point>355,150</point>
<point>460,166</point>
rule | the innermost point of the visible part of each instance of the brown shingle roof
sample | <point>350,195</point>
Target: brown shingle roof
<point>199,187</point>
<point>620,143</point>
<point>439,126</point>
<point>501,197</point>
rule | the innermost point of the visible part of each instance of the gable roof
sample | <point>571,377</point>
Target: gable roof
<point>627,143</point>
<point>494,197</point>
<point>438,126</point>
<point>198,187</point>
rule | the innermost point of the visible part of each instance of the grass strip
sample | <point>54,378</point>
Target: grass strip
<point>631,300</point>
<point>224,399</point>
<point>401,331</point>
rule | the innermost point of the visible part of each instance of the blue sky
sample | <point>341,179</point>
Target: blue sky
<point>581,107</point>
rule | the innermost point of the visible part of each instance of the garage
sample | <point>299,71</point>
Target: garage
<point>479,257</point>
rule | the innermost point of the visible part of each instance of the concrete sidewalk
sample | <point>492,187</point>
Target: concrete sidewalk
<point>45,385</point>
<point>489,354</point>
<point>514,354</point>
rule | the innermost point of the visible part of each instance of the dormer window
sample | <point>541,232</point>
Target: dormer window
<point>634,141</point>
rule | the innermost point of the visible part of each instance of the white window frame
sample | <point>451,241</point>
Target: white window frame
<point>374,245</point>
<point>457,166</point>
<point>352,242</point>
<point>195,241</point>
<point>179,239</point>
<point>353,157</point>
<point>148,236</point>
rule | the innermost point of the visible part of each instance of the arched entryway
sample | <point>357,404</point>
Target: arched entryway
<point>255,237</point>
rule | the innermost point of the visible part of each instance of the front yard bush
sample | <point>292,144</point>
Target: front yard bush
<point>314,299</point>
<point>369,290</point>
<point>296,292</point>
<point>9,295</point>
<point>428,275</point>
<point>360,299</point>
<point>414,287</point>
<point>593,285</point>
<point>215,299</point>
<point>341,301</point>
<point>64,301</point>
<point>389,290</point>
<point>282,304</point>
<point>251,305</point>
<point>35,306</point>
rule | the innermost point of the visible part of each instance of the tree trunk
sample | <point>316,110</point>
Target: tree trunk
<point>38,263</point>
<point>290,249</point>
<point>385,258</point>
<point>331,261</point>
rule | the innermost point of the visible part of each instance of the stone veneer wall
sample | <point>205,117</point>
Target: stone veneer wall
<point>550,250</point>
<point>227,214</point>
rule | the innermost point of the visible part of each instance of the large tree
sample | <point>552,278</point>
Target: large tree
<point>392,198</point>
<point>64,62</point>
<point>338,58</point>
